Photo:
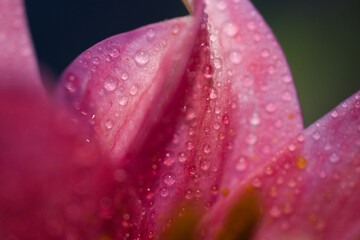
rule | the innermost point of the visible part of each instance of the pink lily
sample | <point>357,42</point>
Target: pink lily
<point>184,129</point>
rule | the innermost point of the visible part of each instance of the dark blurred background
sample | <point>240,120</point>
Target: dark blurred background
<point>320,38</point>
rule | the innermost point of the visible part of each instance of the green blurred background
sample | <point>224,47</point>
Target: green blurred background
<point>320,38</point>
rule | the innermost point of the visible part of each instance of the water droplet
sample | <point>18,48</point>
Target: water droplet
<point>287,79</point>
<point>175,29</point>
<point>334,158</point>
<point>271,70</point>
<point>265,53</point>
<point>275,211</point>
<point>111,84</point>
<point>114,53</point>
<point>213,94</point>
<point>169,179</point>
<point>208,72</point>
<point>235,57</point>
<point>216,125</point>
<point>142,58</point>
<point>230,29</point>
<point>334,114</point>
<point>207,149</point>
<point>251,139</point>
<point>150,33</point>
<point>188,194</point>
<point>270,107</point>
<point>109,124</point>
<point>286,96</point>
<point>241,164</point>
<point>248,81</point>
<point>204,164</point>
<point>254,120</point>
<point>133,90</point>
<point>96,61</point>
<point>316,136</point>
<point>164,192</point>
<point>251,25</point>
<point>124,76</point>
<point>70,87</point>
<point>221,5</point>
<point>123,101</point>
<point>182,157</point>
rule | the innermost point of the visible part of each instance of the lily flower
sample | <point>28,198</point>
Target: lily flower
<point>184,129</point>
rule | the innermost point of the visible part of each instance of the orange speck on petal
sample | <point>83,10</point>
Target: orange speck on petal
<point>225,191</point>
<point>300,162</point>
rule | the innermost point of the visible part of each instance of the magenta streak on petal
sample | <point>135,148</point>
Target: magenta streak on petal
<point>18,67</point>
<point>313,200</point>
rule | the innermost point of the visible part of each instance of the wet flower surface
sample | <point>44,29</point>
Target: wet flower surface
<point>184,129</point>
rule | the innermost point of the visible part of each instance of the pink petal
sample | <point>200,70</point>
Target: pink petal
<point>310,189</point>
<point>18,67</point>
<point>122,84</point>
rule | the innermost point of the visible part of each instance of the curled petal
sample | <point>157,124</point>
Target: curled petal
<point>310,189</point>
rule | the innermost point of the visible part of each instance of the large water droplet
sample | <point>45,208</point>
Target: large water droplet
<point>114,53</point>
<point>111,84</point>
<point>213,94</point>
<point>124,76</point>
<point>142,58</point>
<point>169,179</point>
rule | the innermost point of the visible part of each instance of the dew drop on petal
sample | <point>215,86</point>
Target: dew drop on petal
<point>241,164</point>
<point>286,96</point>
<point>316,136</point>
<point>213,94</point>
<point>142,58</point>
<point>287,79</point>
<point>207,148</point>
<point>124,76</point>
<point>123,101</point>
<point>275,211</point>
<point>235,57</point>
<point>270,107</point>
<point>111,84</point>
<point>109,124</point>
<point>334,158</point>
<point>164,192</point>
<point>204,164</point>
<point>251,139</point>
<point>334,114</point>
<point>230,29</point>
<point>114,53</point>
<point>265,53</point>
<point>254,120</point>
<point>133,90</point>
<point>169,179</point>
<point>150,33</point>
<point>251,25</point>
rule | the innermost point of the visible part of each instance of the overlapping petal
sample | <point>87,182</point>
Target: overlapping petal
<point>310,189</point>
